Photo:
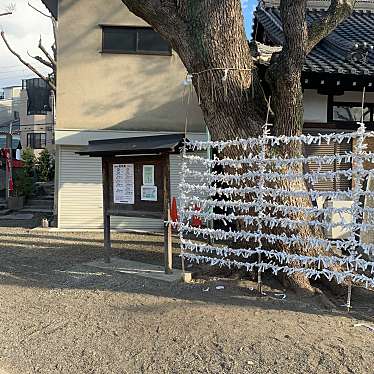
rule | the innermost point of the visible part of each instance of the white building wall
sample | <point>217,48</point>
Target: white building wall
<point>11,92</point>
<point>9,104</point>
<point>6,110</point>
<point>315,107</point>
<point>355,97</point>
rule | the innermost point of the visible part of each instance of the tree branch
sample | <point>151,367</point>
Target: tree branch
<point>39,11</point>
<point>41,60</point>
<point>30,67</point>
<point>337,12</point>
<point>145,8</point>
<point>54,27</point>
<point>50,58</point>
<point>162,15</point>
<point>295,31</point>
<point>8,10</point>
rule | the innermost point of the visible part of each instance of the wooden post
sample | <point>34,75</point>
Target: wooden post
<point>168,241</point>
<point>107,241</point>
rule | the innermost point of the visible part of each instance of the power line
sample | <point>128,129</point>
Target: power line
<point>14,71</point>
<point>10,66</point>
<point>17,68</point>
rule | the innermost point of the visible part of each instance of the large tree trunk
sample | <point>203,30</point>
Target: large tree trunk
<point>284,79</point>
<point>209,37</point>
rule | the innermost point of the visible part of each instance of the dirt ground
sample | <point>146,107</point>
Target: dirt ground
<point>61,316</point>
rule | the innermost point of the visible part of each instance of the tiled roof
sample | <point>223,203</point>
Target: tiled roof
<point>347,50</point>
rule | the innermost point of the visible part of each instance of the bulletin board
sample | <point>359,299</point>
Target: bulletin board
<point>135,186</point>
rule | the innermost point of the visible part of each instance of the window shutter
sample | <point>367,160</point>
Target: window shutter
<point>320,150</point>
<point>343,183</point>
<point>340,183</point>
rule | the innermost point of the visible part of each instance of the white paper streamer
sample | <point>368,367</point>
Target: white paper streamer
<point>282,257</point>
<point>272,141</point>
<point>266,220</point>
<point>310,273</point>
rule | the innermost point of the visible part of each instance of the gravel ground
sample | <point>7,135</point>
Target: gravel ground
<point>60,316</point>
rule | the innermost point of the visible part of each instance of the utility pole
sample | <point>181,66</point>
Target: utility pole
<point>9,165</point>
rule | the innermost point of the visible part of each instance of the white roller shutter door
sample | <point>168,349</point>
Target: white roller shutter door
<point>80,196</point>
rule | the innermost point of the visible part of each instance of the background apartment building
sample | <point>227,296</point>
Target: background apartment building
<point>36,115</point>
<point>10,103</point>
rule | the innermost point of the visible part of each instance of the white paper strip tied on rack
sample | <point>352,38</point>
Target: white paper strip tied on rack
<point>248,236</point>
<point>271,192</point>
<point>238,200</point>
<point>253,159</point>
<point>340,276</point>
<point>272,222</point>
<point>272,141</point>
<point>274,176</point>
<point>282,257</point>
<point>277,208</point>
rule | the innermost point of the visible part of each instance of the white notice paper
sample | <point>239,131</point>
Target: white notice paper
<point>123,184</point>
<point>148,175</point>
<point>149,193</point>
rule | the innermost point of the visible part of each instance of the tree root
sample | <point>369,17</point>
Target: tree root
<point>323,300</point>
<point>303,289</point>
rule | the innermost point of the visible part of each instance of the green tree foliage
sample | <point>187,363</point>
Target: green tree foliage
<point>29,161</point>
<point>45,166</point>
<point>23,183</point>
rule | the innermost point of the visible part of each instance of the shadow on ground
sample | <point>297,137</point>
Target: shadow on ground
<point>50,260</point>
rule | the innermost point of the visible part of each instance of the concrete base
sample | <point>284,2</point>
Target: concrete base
<point>187,277</point>
<point>17,217</point>
<point>114,231</point>
<point>36,210</point>
<point>139,269</point>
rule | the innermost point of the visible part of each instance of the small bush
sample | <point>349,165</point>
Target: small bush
<point>45,166</point>
<point>29,161</point>
<point>22,183</point>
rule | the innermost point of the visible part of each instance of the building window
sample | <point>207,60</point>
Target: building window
<point>350,112</point>
<point>38,96</point>
<point>36,140</point>
<point>134,40</point>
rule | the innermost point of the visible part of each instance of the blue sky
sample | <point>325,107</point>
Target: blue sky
<point>248,7</point>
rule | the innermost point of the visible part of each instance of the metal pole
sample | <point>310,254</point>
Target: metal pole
<point>168,240</point>
<point>8,166</point>
<point>259,276</point>
<point>349,297</point>
<point>11,152</point>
